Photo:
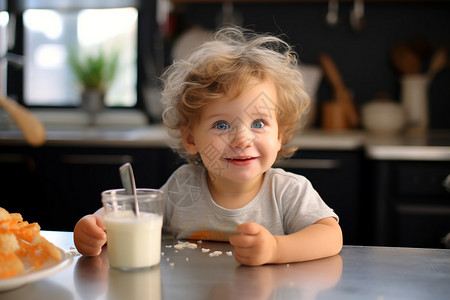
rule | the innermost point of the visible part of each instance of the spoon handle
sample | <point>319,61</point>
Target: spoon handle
<point>127,177</point>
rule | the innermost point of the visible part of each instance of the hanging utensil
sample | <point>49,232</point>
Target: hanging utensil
<point>127,177</point>
<point>332,16</point>
<point>357,20</point>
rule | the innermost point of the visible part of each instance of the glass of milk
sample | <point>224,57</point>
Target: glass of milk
<point>134,241</point>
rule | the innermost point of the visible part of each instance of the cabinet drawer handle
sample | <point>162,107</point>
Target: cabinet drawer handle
<point>309,164</point>
<point>423,209</point>
<point>13,158</point>
<point>95,159</point>
<point>446,183</point>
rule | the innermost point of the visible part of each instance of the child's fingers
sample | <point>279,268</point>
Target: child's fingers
<point>99,228</point>
<point>96,232</point>
<point>93,226</point>
<point>242,240</point>
<point>89,247</point>
<point>247,233</point>
<point>100,223</point>
<point>247,250</point>
<point>249,228</point>
<point>89,237</point>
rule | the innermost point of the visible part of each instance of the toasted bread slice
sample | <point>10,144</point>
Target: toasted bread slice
<point>21,242</point>
<point>10,265</point>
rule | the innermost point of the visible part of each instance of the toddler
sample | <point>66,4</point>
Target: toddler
<point>233,106</point>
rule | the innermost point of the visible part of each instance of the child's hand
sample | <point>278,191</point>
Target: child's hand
<point>254,246</point>
<point>89,235</point>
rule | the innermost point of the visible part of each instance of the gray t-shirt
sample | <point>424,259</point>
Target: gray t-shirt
<point>285,204</point>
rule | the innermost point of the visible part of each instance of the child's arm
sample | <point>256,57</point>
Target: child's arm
<point>257,246</point>
<point>89,234</point>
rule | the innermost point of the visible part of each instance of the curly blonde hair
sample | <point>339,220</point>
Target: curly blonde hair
<point>231,62</point>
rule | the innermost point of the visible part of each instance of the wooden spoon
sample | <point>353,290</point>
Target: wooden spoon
<point>33,130</point>
<point>341,93</point>
<point>405,60</point>
<point>438,62</point>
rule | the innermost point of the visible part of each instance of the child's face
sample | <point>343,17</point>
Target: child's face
<point>238,138</point>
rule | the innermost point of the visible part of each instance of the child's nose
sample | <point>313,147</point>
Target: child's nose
<point>241,138</point>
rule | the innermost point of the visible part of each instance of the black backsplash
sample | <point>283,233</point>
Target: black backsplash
<point>362,57</point>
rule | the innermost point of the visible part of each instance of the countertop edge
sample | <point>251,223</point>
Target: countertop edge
<point>429,147</point>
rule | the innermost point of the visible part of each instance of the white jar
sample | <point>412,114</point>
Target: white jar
<point>414,96</point>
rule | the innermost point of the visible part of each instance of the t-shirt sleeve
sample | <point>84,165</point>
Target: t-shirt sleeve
<point>301,204</point>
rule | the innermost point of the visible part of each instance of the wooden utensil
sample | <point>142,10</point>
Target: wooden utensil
<point>341,93</point>
<point>333,116</point>
<point>405,60</point>
<point>438,62</point>
<point>33,130</point>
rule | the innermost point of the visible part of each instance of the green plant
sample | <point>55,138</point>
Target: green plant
<point>94,71</point>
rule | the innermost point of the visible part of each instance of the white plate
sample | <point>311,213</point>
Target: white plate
<point>29,276</point>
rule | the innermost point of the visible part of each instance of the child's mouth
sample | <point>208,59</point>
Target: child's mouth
<point>240,160</point>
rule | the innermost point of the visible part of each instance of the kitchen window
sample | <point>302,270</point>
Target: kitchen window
<point>50,34</point>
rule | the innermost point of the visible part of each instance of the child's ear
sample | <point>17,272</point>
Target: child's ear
<point>188,141</point>
<point>280,141</point>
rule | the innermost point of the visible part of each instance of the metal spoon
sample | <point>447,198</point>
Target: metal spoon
<point>127,177</point>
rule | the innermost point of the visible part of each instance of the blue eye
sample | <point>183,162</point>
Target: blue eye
<point>258,124</point>
<point>221,125</point>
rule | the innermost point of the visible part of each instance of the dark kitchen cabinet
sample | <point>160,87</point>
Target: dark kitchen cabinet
<point>55,186</point>
<point>19,181</point>
<point>337,176</point>
<point>411,203</point>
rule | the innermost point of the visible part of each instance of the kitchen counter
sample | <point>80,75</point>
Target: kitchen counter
<point>431,146</point>
<point>99,136</point>
<point>434,146</point>
<point>156,135</point>
<point>356,273</point>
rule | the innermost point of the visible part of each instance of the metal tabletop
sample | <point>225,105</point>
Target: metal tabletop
<point>378,273</point>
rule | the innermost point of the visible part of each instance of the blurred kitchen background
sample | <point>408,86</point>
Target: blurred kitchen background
<point>376,143</point>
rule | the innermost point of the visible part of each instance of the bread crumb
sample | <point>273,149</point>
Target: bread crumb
<point>167,259</point>
<point>192,246</point>
<point>168,246</point>
<point>162,253</point>
<point>182,245</point>
<point>229,253</point>
<point>172,264</point>
<point>187,258</point>
<point>215,253</point>
<point>205,250</point>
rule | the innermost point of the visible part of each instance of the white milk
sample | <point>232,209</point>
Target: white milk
<point>133,242</point>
